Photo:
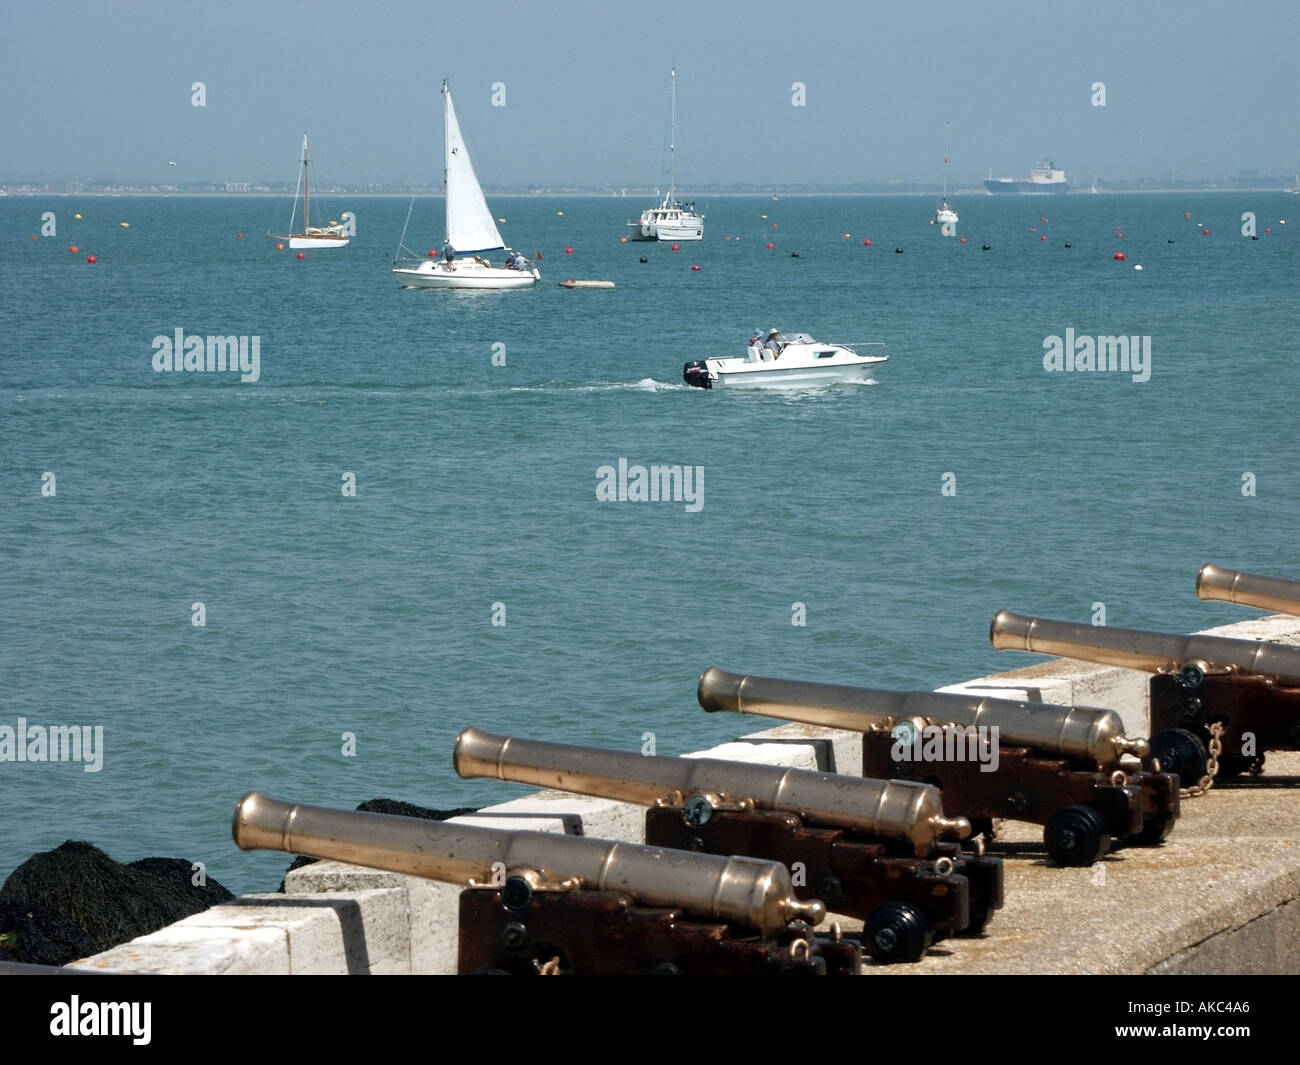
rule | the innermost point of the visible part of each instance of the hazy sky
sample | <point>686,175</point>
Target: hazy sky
<point>1193,89</point>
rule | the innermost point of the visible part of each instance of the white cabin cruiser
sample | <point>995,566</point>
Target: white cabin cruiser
<point>798,361</point>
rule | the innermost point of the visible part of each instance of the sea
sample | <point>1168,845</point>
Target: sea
<point>307,584</point>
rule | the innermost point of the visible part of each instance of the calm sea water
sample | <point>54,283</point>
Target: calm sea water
<point>476,483</point>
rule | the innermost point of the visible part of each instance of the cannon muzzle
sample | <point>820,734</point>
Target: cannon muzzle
<point>1076,732</point>
<point>891,809</point>
<point>1190,657</point>
<point>741,891</point>
<point>1249,589</point>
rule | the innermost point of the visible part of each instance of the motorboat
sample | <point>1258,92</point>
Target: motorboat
<point>798,360</point>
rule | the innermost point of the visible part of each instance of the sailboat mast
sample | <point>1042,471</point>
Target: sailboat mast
<point>446,160</point>
<point>306,189</point>
<point>672,149</point>
<point>946,131</point>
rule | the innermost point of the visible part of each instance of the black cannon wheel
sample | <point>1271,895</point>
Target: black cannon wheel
<point>1180,752</point>
<point>1076,835</point>
<point>896,932</point>
<point>1155,830</point>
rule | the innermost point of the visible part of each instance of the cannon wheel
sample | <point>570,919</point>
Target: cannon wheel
<point>1155,830</point>
<point>896,932</point>
<point>1183,753</point>
<point>1077,835</point>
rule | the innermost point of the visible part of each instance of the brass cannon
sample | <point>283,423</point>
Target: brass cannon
<point>1057,766</point>
<point>537,901</point>
<point>1236,586</point>
<point>1245,691</point>
<point>874,849</point>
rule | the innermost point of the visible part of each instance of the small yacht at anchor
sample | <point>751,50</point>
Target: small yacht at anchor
<point>788,360</point>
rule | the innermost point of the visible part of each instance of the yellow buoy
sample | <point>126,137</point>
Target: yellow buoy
<point>502,221</point>
<point>77,217</point>
<point>560,214</point>
<point>125,225</point>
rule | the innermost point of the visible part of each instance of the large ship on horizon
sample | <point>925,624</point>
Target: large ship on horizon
<point>1044,178</point>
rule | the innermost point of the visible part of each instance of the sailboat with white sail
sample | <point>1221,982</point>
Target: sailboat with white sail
<point>471,232</point>
<point>672,219</point>
<point>334,235</point>
<point>945,215</point>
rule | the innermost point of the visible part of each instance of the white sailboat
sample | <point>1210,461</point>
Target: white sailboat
<point>471,231</point>
<point>672,219</point>
<point>945,215</point>
<point>333,235</point>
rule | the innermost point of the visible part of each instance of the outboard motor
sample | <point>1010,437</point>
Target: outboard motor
<point>697,373</point>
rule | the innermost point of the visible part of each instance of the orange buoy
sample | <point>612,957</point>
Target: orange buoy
<point>1268,229</point>
<point>726,238</point>
<point>1119,257</point>
<point>35,237</point>
<point>770,244</point>
<point>280,246</point>
<point>72,248</point>
<point>91,259</point>
<point>622,240</point>
<point>1187,214</point>
<point>1033,229</point>
<point>773,225</point>
<point>696,266</point>
<point>301,255</point>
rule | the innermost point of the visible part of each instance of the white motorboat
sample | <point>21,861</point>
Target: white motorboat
<point>672,219</point>
<point>800,361</point>
<point>945,215</point>
<point>334,235</point>
<point>471,231</point>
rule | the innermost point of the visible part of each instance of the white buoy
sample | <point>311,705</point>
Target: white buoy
<point>1137,266</point>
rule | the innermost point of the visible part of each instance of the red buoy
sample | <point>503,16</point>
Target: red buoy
<point>1205,232</point>
<point>770,244</point>
<point>91,259</point>
<point>1042,236</point>
<point>1033,229</point>
<point>622,240</point>
<point>1042,219</point>
<point>675,248</point>
<point>773,225</point>
<point>1187,214</point>
<point>963,240</point>
<point>432,254</point>
<point>280,247</point>
<point>867,243</point>
<point>1119,235</point>
<point>35,237</point>
<point>1119,257</point>
<point>696,266</point>
<point>301,255</point>
<point>568,251</point>
<point>240,236</point>
<point>1268,229</point>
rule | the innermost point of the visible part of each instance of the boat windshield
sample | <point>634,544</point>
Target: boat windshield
<point>795,338</point>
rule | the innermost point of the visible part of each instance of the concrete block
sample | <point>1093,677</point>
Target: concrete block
<point>794,755</point>
<point>182,948</point>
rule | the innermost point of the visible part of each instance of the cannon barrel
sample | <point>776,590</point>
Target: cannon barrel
<point>742,891</point>
<point>1152,652</point>
<point>1078,732</point>
<point>1249,589</point>
<point>891,809</point>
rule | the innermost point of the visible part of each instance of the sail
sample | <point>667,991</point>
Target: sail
<point>470,227</point>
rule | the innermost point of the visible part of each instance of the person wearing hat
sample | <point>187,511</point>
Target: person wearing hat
<point>756,350</point>
<point>773,344</point>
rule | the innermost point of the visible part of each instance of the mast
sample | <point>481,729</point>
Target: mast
<point>306,189</point>
<point>446,161</point>
<point>946,131</point>
<point>672,149</point>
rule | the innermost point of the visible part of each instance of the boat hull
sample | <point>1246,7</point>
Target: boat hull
<point>690,227</point>
<point>463,273</point>
<point>298,243</point>
<point>794,377</point>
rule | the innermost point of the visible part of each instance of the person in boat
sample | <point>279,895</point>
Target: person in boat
<point>517,261</point>
<point>756,351</point>
<point>773,344</point>
<point>448,254</point>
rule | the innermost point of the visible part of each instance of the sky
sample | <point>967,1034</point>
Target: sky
<point>103,91</point>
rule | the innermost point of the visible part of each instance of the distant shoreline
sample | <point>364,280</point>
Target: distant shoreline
<point>606,196</point>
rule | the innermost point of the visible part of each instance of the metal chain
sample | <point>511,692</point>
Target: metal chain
<point>1211,766</point>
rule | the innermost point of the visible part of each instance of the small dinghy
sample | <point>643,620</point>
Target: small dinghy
<point>586,284</point>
